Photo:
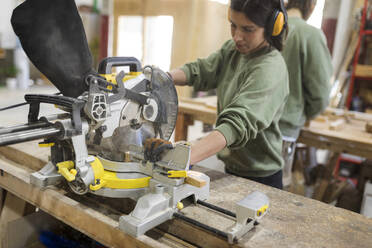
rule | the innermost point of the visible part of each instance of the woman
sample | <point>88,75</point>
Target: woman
<point>251,80</point>
<point>310,69</point>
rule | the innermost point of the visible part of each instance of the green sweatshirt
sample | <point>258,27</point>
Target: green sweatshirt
<point>310,69</point>
<point>251,90</point>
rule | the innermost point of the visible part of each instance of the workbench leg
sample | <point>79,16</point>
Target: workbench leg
<point>325,180</point>
<point>13,209</point>
<point>298,179</point>
<point>2,198</point>
<point>183,122</point>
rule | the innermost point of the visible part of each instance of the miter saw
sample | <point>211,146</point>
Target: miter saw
<point>97,142</point>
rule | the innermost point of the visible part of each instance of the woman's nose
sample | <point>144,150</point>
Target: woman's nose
<point>237,36</point>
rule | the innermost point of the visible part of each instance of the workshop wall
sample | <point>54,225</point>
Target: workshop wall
<point>7,36</point>
<point>200,26</point>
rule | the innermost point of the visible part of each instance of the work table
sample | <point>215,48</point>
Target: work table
<point>292,220</point>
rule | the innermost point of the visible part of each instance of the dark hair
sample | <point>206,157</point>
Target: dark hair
<point>303,5</point>
<point>260,12</point>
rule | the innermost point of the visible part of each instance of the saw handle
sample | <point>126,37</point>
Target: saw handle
<point>106,65</point>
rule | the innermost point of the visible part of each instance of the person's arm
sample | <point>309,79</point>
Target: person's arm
<point>317,71</point>
<point>207,146</point>
<point>178,76</point>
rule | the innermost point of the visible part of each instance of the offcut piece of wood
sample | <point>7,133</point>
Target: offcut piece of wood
<point>320,118</point>
<point>337,125</point>
<point>334,191</point>
<point>194,178</point>
<point>369,127</point>
<point>368,110</point>
<point>353,115</point>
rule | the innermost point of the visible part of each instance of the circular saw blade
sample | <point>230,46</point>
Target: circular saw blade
<point>164,92</point>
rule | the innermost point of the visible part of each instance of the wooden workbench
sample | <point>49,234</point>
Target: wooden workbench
<point>292,221</point>
<point>352,138</point>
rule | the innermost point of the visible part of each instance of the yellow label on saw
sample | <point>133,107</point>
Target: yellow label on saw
<point>112,77</point>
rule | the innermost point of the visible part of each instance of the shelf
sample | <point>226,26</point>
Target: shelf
<point>363,71</point>
<point>367,32</point>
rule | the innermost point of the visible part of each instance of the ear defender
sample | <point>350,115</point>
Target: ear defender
<point>278,23</point>
<point>279,20</point>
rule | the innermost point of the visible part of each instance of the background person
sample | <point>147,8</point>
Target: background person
<point>310,69</point>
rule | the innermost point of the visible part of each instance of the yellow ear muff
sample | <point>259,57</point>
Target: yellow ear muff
<point>279,24</point>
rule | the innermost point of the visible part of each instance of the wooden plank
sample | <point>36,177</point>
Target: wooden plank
<point>19,157</point>
<point>194,178</point>
<point>354,115</point>
<point>363,71</point>
<point>169,239</point>
<point>337,125</point>
<point>208,101</point>
<point>342,75</point>
<point>55,202</point>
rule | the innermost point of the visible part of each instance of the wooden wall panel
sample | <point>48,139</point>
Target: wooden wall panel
<point>200,26</point>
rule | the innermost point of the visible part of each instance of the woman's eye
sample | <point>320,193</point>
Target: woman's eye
<point>248,30</point>
<point>233,25</point>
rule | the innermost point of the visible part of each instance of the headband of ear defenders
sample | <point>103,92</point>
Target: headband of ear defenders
<point>280,20</point>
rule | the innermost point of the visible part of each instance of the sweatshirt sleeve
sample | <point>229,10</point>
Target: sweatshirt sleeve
<point>317,72</point>
<point>203,73</point>
<point>257,103</point>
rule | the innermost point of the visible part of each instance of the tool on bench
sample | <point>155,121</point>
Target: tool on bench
<point>97,142</point>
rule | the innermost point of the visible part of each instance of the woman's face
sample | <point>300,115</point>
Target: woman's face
<point>246,35</point>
